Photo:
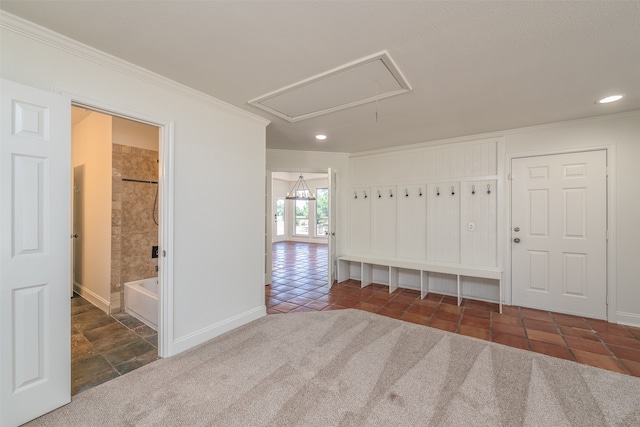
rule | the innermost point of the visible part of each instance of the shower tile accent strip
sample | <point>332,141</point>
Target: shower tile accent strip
<point>133,231</point>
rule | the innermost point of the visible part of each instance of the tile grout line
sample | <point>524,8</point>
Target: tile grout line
<point>613,355</point>
<point>524,327</point>
<point>564,340</point>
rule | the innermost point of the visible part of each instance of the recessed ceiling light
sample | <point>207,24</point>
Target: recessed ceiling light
<point>321,137</point>
<point>608,99</point>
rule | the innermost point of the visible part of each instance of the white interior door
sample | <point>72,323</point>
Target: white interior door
<point>331,238</point>
<point>559,226</point>
<point>35,358</point>
<point>279,225</point>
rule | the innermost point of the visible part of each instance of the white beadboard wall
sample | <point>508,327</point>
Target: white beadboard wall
<point>412,228</point>
<point>417,204</point>
<point>360,221</point>
<point>384,220</point>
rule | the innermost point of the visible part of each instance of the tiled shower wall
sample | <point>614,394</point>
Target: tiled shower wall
<point>133,231</point>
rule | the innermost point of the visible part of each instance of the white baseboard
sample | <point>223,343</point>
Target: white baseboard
<point>92,297</point>
<point>630,319</point>
<point>205,334</point>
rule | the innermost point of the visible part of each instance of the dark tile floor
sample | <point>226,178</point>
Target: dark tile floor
<point>104,347</point>
<point>299,278</point>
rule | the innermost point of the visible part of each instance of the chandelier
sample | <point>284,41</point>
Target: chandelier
<point>300,191</point>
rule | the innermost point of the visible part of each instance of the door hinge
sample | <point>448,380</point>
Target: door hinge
<point>164,253</point>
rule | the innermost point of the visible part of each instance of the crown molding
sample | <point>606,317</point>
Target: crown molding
<point>48,37</point>
<point>483,137</point>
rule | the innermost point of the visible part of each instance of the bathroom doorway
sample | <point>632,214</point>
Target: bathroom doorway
<point>115,218</point>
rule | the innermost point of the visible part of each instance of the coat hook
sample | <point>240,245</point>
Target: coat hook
<point>437,191</point>
<point>390,193</point>
<point>365,194</point>
<point>355,194</point>
<point>379,195</point>
<point>406,193</point>
<point>488,188</point>
<point>420,191</point>
<point>453,192</point>
<point>473,189</point>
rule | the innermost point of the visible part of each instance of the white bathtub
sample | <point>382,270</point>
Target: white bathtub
<point>141,300</point>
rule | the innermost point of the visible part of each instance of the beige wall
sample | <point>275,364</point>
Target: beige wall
<point>92,149</point>
<point>135,134</point>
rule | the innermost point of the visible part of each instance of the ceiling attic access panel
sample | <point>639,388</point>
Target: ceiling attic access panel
<point>364,80</point>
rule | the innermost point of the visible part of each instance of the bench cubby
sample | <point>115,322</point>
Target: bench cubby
<point>397,273</point>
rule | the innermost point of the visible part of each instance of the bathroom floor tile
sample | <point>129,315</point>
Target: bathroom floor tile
<point>106,343</point>
<point>128,352</point>
<point>106,331</point>
<point>103,347</point>
<point>153,340</point>
<point>81,384</point>
<point>145,331</point>
<point>81,348</point>
<point>91,320</point>
<point>128,320</point>
<point>137,361</point>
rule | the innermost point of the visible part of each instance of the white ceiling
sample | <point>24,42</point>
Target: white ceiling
<point>474,66</point>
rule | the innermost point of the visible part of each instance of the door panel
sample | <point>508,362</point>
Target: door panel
<point>559,233</point>
<point>34,253</point>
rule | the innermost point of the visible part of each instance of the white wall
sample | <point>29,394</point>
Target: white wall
<point>218,269</point>
<point>91,148</point>
<point>318,161</point>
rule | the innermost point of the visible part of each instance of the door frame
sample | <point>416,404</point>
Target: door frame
<point>165,206</point>
<point>269,206</point>
<point>611,222</point>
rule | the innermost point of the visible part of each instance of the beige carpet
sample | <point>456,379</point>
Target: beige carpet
<point>351,368</point>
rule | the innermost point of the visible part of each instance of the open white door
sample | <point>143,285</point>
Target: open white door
<point>331,240</point>
<point>35,355</point>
